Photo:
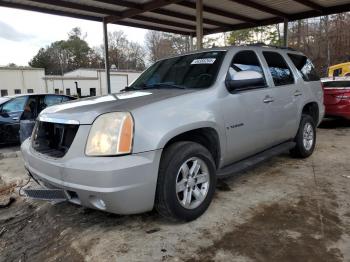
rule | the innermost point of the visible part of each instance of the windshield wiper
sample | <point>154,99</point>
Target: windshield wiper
<point>155,86</point>
<point>130,88</point>
<point>166,85</point>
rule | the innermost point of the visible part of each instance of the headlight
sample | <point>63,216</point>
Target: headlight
<point>111,134</point>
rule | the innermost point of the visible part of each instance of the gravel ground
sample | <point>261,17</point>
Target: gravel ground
<point>283,210</point>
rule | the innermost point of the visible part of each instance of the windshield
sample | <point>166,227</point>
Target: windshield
<point>15,105</point>
<point>188,71</point>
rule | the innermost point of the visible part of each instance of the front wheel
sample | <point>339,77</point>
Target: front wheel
<point>186,181</point>
<point>305,139</point>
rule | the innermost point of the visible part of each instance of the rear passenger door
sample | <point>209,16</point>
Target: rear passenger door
<point>10,114</point>
<point>283,110</point>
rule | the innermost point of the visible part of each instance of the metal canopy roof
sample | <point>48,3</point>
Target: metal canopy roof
<point>176,16</point>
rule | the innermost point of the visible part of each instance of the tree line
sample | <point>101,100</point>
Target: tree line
<point>325,39</point>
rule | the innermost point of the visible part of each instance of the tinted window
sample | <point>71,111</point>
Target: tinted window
<point>30,110</point>
<point>245,61</point>
<point>30,91</point>
<point>281,73</point>
<point>190,71</point>
<point>17,91</point>
<point>15,105</point>
<point>65,98</point>
<point>305,67</point>
<point>52,100</point>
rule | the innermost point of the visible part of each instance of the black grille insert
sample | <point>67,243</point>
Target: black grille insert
<point>53,139</point>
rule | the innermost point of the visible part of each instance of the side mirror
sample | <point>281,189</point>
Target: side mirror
<point>244,80</point>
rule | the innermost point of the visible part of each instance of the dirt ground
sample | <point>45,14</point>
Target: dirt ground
<point>283,210</point>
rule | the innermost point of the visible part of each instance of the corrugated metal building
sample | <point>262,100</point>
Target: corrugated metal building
<point>83,81</point>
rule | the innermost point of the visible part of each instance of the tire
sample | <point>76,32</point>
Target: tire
<point>178,160</point>
<point>302,148</point>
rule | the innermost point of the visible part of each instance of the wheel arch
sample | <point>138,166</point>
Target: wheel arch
<point>207,136</point>
<point>312,110</point>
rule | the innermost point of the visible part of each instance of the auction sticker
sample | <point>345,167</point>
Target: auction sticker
<point>203,61</point>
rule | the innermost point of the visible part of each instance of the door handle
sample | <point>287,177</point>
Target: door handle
<point>297,93</point>
<point>268,99</point>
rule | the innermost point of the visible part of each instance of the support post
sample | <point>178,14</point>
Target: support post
<point>199,23</point>
<point>285,33</point>
<point>190,39</point>
<point>106,56</point>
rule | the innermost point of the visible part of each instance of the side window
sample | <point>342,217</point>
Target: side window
<point>245,61</point>
<point>337,72</point>
<point>305,67</point>
<point>65,99</point>
<point>15,105</point>
<point>51,100</point>
<point>280,71</point>
<point>30,109</point>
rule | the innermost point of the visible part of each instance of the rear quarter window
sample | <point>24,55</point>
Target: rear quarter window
<point>305,67</point>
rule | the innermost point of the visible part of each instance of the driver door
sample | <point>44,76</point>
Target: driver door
<point>246,111</point>
<point>10,117</point>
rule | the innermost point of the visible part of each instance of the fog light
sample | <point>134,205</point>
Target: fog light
<point>97,202</point>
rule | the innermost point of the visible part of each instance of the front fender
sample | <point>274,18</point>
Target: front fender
<point>156,124</point>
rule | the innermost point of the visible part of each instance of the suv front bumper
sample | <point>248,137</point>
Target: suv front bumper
<point>122,185</point>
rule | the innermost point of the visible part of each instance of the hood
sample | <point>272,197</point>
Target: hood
<point>85,111</point>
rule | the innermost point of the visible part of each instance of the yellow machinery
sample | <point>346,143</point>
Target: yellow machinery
<point>342,69</point>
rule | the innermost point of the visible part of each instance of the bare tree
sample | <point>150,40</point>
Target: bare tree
<point>160,44</point>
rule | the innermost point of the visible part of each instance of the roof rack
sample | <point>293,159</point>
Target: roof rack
<point>261,44</point>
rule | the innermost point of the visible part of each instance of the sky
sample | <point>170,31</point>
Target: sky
<point>23,33</point>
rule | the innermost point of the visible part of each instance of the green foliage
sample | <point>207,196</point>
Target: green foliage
<point>262,34</point>
<point>240,37</point>
<point>66,55</point>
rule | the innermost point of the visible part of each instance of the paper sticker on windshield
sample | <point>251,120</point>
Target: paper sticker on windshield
<point>203,61</point>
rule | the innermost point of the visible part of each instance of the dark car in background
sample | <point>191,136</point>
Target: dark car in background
<point>337,97</point>
<point>13,109</point>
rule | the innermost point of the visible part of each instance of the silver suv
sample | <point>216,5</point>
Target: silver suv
<point>186,121</point>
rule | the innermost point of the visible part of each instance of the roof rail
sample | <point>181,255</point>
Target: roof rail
<point>261,44</point>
